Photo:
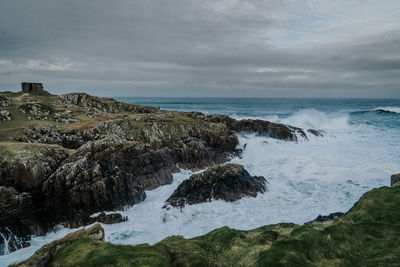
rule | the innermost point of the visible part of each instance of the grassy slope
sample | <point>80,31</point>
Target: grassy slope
<point>368,235</point>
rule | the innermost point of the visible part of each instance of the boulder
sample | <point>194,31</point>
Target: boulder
<point>228,182</point>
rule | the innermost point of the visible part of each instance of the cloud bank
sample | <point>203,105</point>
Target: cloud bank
<point>284,48</point>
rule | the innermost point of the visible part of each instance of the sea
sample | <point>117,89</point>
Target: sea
<point>359,151</point>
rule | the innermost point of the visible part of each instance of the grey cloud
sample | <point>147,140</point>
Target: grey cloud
<point>184,48</point>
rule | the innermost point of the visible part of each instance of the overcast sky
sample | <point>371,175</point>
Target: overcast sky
<point>274,48</point>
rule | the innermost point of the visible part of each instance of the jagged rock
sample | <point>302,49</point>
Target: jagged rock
<point>111,218</point>
<point>4,101</point>
<point>37,111</point>
<point>27,170</point>
<point>326,218</point>
<point>227,182</point>
<point>5,116</point>
<point>45,254</point>
<point>99,107</point>
<point>260,127</point>
<point>65,116</point>
<point>17,219</point>
<point>51,135</point>
<point>395,178</point>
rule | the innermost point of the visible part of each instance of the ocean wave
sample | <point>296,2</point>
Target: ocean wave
<point>388,109</point>
<point>312,118</point>
<point>307,119</point>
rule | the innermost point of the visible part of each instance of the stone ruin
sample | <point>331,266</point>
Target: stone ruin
<point>32,87</point>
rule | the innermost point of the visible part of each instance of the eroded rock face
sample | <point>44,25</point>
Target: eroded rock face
<point>228,182</point>
<point>259,127</point>
<point>17,220</point>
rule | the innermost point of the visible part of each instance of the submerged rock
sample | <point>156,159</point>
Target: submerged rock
<point>228,182</point>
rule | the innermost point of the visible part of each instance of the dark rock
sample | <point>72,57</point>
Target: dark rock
<point>325,218</point>
<point>17,219</point>
<point>259,127</point>
<point>395,178</point>
<point>111,218</point>
<point>318,133</point>
<point>227,182</point>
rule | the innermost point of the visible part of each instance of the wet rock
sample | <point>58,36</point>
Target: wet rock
<point>326,218</point>
<point>228,182</point>
<point>17,220</point>
<point>395,178</point>
<point>318,133</point>
<point>259,127</point>
<point>110,218</point>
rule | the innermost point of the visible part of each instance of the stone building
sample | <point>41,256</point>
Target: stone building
<point>32,87</point>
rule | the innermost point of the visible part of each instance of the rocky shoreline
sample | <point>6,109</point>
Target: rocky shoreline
<point>366,235</point>
<point>63,158</point>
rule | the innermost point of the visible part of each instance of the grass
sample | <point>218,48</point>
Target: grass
<point>367,235</point>
<point>14,147</point>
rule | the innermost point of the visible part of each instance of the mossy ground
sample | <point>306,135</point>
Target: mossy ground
<point>367,235</point>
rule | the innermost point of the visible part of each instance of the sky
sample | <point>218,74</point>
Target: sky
<point>226,48</point>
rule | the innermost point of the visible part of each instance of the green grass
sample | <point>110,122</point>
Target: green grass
<point>367,235</point>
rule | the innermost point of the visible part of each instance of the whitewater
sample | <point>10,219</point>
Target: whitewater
<point>359,151</point>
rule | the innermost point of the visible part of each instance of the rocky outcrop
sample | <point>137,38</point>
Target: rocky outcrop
<point>228,182</point>
<point>110,218</point>
<point>17,219</point>
<point>37,111</point>
<point>50,134</point>
<point>5,116</point>
<point>4,101</point>
<point>395,178</point>
<point>259,127</point>
<point>98,106</point>
<point>44,255</point>
<point>65,116</point>
<point>326,218</point>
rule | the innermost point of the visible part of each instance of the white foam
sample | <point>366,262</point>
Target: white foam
<point>390,109</point>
